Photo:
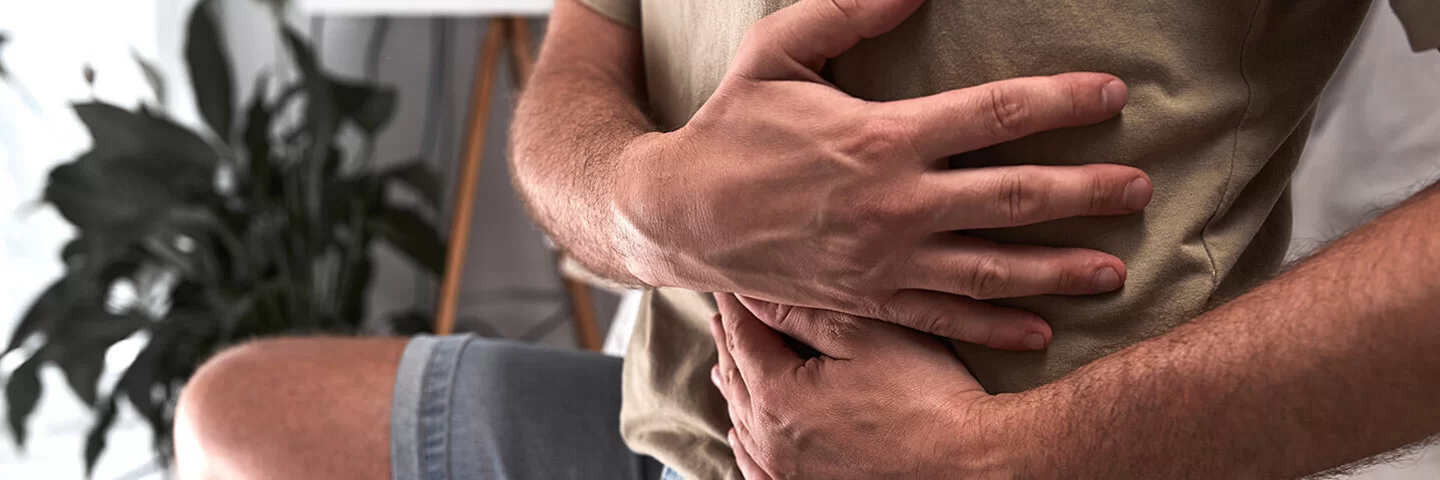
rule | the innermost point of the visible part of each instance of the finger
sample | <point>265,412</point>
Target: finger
<point>725,362</point>
<point>982,269</point>
<point>833,334</point>
<point>966,320</point>
<point>748,467</point>
<point>812,31</point>
<point>998,197</point>
<point>727,377</point>
<point>968,119</point>
<point>759,353</point>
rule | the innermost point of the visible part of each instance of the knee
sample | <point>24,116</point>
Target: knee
<point>221,407</point>
<point>273,409</point>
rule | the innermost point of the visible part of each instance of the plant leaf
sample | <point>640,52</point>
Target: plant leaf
<point>418,177</point>
<point>143,373</point>
<point>354,283</point>
<point>210,70</point>
<point>411,234</point>
<point>4,38</point>
<point>82,370</point>
<point>124,134</point>
<point>95,439</point>
<point>102,208</point>
<point>257,142</point>
<point>140,167</point>
<point>320,119</point>
<point>78,346</point>
<point>369,106</point>
<point>320,122</point>
<point>22,392</point>
<point>152,77</point>
<point>42,311</point>
<point>151,369</point>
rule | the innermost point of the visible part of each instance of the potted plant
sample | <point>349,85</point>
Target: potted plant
<point>262,226</point>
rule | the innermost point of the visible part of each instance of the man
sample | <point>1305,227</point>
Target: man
<point>814,175</point>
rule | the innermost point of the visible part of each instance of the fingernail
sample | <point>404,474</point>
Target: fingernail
<point>1114,96</point>
<point>1137,194</point>
<point>1035,341</point>
<point>1107,279</point>
<point>715,375</point>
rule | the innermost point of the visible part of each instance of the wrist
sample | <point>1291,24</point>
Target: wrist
<point>641,212</point>
<point>999,436</point>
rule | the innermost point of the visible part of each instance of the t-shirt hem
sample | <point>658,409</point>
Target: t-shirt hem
<point>624,12</point>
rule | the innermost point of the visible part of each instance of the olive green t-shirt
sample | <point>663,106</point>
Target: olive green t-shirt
<point>1221,95</point>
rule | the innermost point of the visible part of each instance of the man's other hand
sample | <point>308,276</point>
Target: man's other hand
<point>881,401</point>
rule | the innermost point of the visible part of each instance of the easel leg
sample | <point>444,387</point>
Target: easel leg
<point>516,33</point>
<point>464,204</point>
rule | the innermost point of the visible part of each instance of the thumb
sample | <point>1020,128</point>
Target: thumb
<point>812,31</point>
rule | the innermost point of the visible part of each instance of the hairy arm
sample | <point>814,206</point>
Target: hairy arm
<point>1334,361</point>
<point>579,111</point>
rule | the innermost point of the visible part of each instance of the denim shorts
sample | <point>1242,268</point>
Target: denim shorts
<point>472,408</point>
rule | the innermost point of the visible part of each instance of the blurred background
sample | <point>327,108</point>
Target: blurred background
<point>369,102</point>
<point>421,67</point>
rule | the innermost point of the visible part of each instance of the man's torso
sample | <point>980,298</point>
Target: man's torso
<point>1220,97</point>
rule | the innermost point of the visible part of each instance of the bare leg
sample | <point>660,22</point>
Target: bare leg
<point>311,408</point>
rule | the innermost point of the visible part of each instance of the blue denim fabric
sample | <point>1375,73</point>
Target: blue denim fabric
<point>472,408</point>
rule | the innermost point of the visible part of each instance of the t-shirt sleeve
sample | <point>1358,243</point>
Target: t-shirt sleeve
<point>627,12</point>
<point>1421,19</point>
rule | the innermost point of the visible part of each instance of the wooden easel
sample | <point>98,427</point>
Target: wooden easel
<point>515,32</point>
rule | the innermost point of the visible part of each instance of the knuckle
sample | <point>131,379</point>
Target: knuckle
<point>756,46</point>
<point>877,216</point>
<point>787,317</point>
<point>1070,96</point>
<point>867,300</point>
<point>1066,279</point>
<point>928,320</point>
<point>989,278</point>
<point>788,432</point>
<point>843,8</point>
<point>840,326</point>
<point>874,139</point>
<point>1102,192</point>
<point>785,467</point>
<point>937,323</point>
<point>732,376</point>
<point>1020,201</point>
<point>768,312</point>
<point>892,309</point>
<point>760,33</point>
<point>1007,112</point>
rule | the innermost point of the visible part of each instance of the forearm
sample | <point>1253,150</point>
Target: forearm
<point>1334,361</point>
<point>579,111</point>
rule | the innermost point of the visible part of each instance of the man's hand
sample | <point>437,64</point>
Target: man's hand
<point>1331,362</point>
<point>881,401</point>
<point>786,189</point>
